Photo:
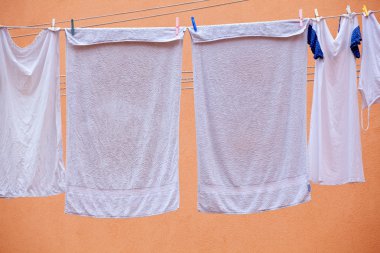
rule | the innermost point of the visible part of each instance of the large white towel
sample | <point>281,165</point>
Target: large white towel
<point>123,91</point>
<point>31,162</point>
<point>250,104</point>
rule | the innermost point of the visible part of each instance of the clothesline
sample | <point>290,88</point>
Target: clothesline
<point>134,19</point>
<point>338,16</point>
<point>190,72</point>
<point>151,16</point>
<point>189,80</point>
<point>115,14</point>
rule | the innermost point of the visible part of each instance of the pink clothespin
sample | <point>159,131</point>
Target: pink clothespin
<point>300,16</point>
<point>176,26</point>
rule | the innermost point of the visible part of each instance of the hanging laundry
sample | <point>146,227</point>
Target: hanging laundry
<point>123,92</point>
<point>335,147</point>
<point>250,105</point>
<point>31,162</point>
<point>369,84</point>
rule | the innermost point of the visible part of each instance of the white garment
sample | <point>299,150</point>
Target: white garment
<point>369,84</point>
<point>30,117</point>
<point>250,104</point>
<point>123,91</point>
<point>335,148</point>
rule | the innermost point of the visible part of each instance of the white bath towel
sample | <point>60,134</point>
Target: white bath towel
<point>31,162</point>
<point>123,91</point>
<point>250,104</point>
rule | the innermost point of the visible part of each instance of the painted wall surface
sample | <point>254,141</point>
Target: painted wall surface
<point>338,219</point>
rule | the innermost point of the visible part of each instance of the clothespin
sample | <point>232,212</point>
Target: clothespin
<point>300,16</point>
<point>72,27</point>
<point>365,11</point>
<point>317,15</point>
<point>53,24</point>
<point>176,26</point>
<point>348,9</point>
<point>194,24</point>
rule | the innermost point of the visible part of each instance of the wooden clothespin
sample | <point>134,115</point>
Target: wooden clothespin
<point>365,11</point>
<point>194,24</point>
<point>72,27</point>
<point>300,17</point>
<point>317,15</point>
<point>53,24</point>
<point>348,9</point>
<point>176,26</point>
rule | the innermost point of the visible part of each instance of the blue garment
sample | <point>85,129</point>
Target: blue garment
<point>312,40</point>
<point>356,37</point>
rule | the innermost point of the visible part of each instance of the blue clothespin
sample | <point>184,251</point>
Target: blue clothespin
<point>194,24</point>
<point>72,27</point>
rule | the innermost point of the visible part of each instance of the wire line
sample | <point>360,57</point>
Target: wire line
<point>35,26</point>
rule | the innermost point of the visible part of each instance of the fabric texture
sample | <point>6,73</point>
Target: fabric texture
<point>123,92</point>
<point>335,146</point>
<point>369,83</point>
<point>31,162</point>
<point>250,108</point>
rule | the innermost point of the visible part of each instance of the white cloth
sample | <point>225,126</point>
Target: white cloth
<point>335,147</point>
<point>123,92</point>
<point>30,117</point>
<point>369,84</point>
<point>250,104</point>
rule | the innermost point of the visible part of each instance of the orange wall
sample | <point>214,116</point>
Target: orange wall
<point>338,219</point>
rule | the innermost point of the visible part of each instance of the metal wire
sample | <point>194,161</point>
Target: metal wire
<point>36,26</point>
<point>344,15</point>
<point>183,81</point>
<point>164,14</point>
<point>151,16</point>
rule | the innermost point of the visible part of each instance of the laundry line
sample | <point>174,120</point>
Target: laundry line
<point>342,15</point>
<point>190,80</point>
<point>133,19</point>
<point>35,26</point>
<point>190,72</point>
<point>159,15</point>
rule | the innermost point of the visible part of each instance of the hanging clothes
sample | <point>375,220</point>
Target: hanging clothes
<point>335,147</point>
<point>31,162</point>
<point>369,84</point>
<point>250,108</point>
<point>123,92</point>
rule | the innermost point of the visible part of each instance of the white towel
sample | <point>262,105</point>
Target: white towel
<point>31,162</point>
<point>123,91</point>
<point>250,104</point>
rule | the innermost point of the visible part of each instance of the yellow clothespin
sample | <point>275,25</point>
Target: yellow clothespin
<point>348,9</point>
<point>317,15</point>
<point>365,11</point>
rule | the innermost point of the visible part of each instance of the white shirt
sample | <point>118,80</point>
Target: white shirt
<point>30,119</point>
<point>335,147</point>
<point>369,84</point>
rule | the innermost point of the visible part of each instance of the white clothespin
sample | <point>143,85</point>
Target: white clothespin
<point>348,9</point>
<point>317,15</point>
<point>53,24</point>
<point>176,26</point>
<point>300,16</point>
